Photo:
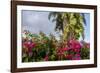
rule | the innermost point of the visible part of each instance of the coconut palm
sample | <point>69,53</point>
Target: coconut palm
<point>70,24</point>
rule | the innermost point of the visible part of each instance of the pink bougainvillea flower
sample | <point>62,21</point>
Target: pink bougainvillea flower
<point>77,46</point>
<point>46,58</point>
<point>59,52</point>
<point>77,55</point>
<point>65,49</point>
<point>32,45</point>
<point>74,45</point>
<point>71,41</point>
<point>76,50</point>
<point>29,45</point>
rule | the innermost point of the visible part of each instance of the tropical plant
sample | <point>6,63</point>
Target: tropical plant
<point>70,24</point>
<point>39,47</point>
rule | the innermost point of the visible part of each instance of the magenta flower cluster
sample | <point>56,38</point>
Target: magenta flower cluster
<point>36,49</point>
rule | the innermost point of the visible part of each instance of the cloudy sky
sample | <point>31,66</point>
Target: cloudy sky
<point>36,21</point>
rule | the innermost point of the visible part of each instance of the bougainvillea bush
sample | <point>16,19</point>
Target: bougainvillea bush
<point>46,45</point>
<point>40,47</point>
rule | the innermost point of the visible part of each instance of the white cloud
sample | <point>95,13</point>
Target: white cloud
<point>36,21</point>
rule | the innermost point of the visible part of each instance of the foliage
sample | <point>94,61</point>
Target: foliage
<point>70,24</point>
<point>39,47</point>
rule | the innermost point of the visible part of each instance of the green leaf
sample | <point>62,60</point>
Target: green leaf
<point>25,59</point>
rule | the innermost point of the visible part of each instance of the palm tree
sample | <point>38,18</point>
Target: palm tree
<point>70,24</point>
<point>56,17</point>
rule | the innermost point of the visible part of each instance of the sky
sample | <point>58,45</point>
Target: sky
<point>87,27</point>
<point>36,21</point>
